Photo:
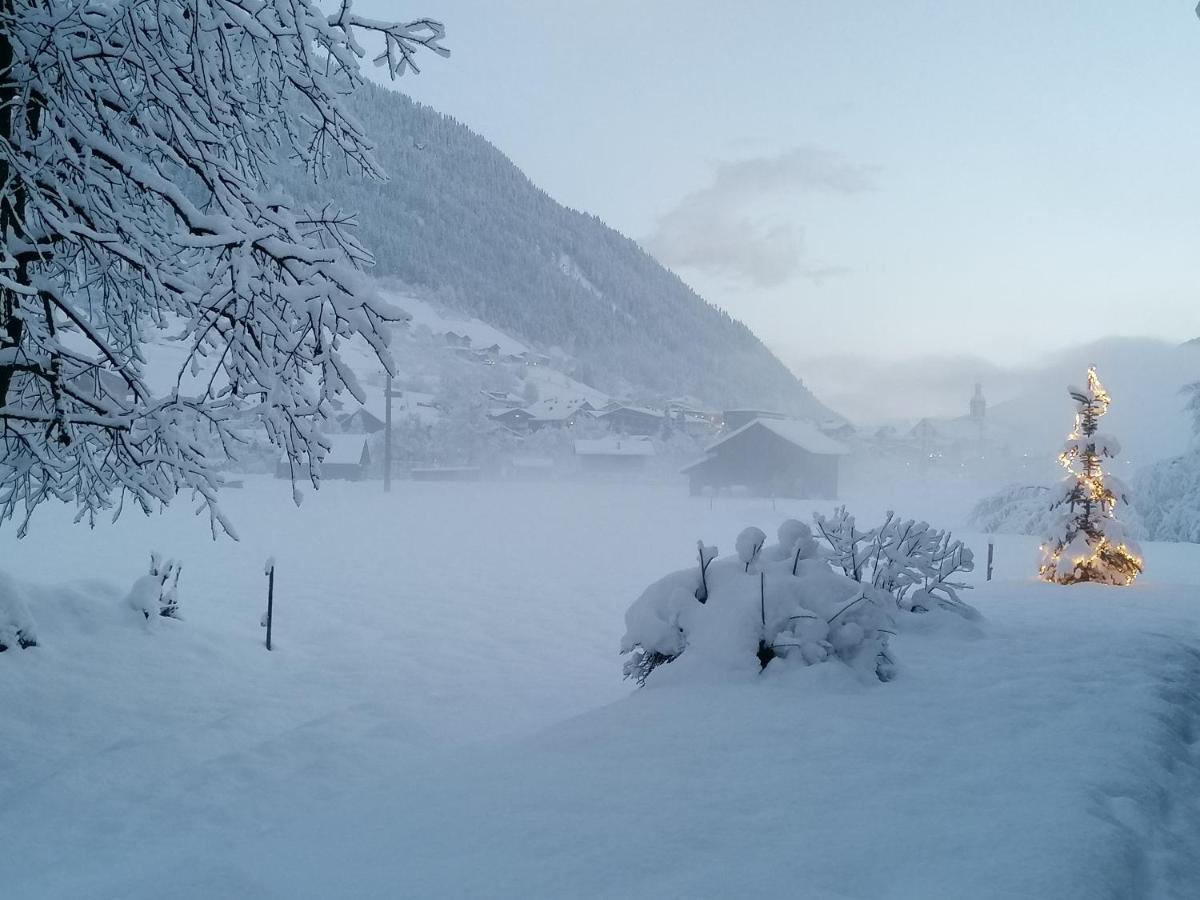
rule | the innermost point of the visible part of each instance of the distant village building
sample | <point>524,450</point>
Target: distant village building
<point>771,457</point>
<point>624,418</point>
<point>613,454</point>
<point>503,399</point>
<point>556,413</point>
<point>733,419</point>
<point>370,417</point>
<point>348,459</point>
<point>513,419</point>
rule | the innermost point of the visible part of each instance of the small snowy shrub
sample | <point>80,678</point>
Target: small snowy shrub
<point>706,556</point>
<point>749,544</point>
<point>157,594</point>
<point>913,562</point>
<point>17,629</point>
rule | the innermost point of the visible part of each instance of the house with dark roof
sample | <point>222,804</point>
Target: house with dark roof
<point>348,459</point>
<point>625,418</point>
<point>771,457</point>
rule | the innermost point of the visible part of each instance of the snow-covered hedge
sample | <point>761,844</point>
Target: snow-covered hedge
<point>17,628</point>
<point>1167,498</point>
<point>1015,509</point>
<point>795,601</point>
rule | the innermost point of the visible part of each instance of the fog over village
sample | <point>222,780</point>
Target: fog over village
<point>584,450</point>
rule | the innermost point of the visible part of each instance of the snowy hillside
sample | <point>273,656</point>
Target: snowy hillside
<point>459,220</point>
<point>444,717</point>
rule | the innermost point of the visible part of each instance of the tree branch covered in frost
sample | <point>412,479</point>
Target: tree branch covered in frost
<point>915,563</point>
<point>135,142</point>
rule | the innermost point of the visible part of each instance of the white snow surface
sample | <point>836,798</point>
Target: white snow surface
<point>443,716</point>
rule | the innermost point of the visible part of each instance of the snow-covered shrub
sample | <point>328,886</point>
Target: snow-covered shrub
<point>706,555</point>
<point>749,544</point>
<point>1167,498</point>
<point>17,628</point>
<point>796,542</point>
<point>157,593</point>
<point>1015,509</point>
<point>914,563</point>
<point>793,607</point>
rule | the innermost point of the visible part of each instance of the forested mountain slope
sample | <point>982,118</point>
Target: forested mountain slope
<point>460,220</point>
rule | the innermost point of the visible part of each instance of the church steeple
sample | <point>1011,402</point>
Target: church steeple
<point>978,403</point>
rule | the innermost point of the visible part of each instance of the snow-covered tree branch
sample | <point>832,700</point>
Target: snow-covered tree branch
<point>136,145</point>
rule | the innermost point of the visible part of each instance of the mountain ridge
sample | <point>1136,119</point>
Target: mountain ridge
<point>462,223</point>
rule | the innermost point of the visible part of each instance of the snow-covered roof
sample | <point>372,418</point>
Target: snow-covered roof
<point>552,408</point>
<point>630,407</point>
<point>804,435</point>
<point>614,447</point>
<point>344,449</point>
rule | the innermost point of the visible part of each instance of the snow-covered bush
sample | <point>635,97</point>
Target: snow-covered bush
<point>1015,509</point>
<point>749,544</point>
<point>17,629</point>
<point>1167,494</point>
<point>768,602</point>
<point>914,563</point>
<point>1167,498</point>
<point>157,593</point>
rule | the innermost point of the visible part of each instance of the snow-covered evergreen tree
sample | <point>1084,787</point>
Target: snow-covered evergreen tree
<point>1087,542</point>
<point>136,141</point>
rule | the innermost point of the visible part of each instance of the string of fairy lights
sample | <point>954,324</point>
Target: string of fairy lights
<point>1105,560</point>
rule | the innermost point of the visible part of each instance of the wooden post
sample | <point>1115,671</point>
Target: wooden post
<point>270,598</point>
<point>387,435</point>
<point>991,547</point>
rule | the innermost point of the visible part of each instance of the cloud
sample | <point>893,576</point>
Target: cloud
<point>717,229</point>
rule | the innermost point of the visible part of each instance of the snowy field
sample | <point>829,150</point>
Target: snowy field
<point>444,716</point>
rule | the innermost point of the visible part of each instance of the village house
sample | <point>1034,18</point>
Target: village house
<point>624,418</point>
<point>771,457</point>
<point>556,413</point>
<point>348,459</point>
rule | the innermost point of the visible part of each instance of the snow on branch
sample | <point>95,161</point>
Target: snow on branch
<point>137,143</point>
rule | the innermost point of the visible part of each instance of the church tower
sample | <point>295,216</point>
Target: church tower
<point>978,404</point>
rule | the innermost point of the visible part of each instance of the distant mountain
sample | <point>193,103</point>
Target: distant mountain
<point>459,221</point>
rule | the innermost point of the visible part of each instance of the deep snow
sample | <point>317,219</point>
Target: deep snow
<point>412,734</point>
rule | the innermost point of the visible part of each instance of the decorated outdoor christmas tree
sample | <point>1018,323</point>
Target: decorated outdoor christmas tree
<point>1087,542</point>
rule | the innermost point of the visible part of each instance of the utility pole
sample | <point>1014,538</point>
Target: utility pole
<point>387,435</point>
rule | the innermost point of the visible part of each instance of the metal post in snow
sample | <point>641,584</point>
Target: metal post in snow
<point>387,435</point>
<point>991,548</point>
<point>270,598</point>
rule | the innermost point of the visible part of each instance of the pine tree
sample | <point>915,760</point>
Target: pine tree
<point>1087,542</point>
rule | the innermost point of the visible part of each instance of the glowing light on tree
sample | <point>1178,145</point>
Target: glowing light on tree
<point>1087,541</point>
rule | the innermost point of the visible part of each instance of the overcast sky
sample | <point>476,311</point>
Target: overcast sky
<point>898,178</point>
